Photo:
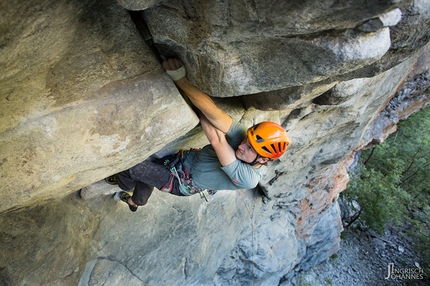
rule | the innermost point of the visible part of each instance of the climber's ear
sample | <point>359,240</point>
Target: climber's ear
<point>263,160</point>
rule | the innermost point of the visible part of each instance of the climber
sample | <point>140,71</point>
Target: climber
<point>232,160</point>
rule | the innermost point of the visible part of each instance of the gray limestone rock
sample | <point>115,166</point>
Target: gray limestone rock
<point>138,5</point>
<point>251,47</point>
<point>83,97</point>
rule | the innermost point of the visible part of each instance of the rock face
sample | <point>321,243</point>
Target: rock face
<point>253,46</point>
<point>412,97</point>
<point>83,97</point>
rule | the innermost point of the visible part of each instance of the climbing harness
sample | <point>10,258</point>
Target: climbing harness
<point>175,164</point>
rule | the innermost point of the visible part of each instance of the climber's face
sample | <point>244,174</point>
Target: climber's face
<point>245,152</point>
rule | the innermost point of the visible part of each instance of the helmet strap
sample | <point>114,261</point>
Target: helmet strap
<point>253,163</point>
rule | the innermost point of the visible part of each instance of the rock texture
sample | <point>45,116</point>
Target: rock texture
<point>84,97</point>
<point>411,98</point>
<point>252,46</point>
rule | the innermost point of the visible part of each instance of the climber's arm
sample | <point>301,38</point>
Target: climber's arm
<point>205,104</point>
<point>223,150</point>
<point>201,100</point>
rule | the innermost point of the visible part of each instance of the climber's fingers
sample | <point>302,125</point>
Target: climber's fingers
<point>175,69</point>
<point>172,64</point>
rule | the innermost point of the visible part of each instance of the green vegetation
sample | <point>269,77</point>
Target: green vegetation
<point>392,183</point>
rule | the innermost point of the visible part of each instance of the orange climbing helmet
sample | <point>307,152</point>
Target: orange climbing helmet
<point>268,139</point>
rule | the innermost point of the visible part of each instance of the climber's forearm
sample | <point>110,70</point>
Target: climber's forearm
<point>223,150</point>
<point>201,100</point>
<point>205,104</point>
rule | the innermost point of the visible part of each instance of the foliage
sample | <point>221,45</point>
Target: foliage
<point>392,182</point>
<point>378,197</point>
<point>420,231</point>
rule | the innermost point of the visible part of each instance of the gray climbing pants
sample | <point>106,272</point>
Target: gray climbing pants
<point>144,177</point>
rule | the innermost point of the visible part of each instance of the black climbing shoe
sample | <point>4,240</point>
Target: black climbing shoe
<point>124,196</point>
<point>112,180</point>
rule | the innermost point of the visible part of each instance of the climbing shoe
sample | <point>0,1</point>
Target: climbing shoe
<point>124,196</point>
<point>112,180</point>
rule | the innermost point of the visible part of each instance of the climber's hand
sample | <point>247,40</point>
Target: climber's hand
<point>172,64</point>
<point>216,116</point>
<point>175,69</point>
